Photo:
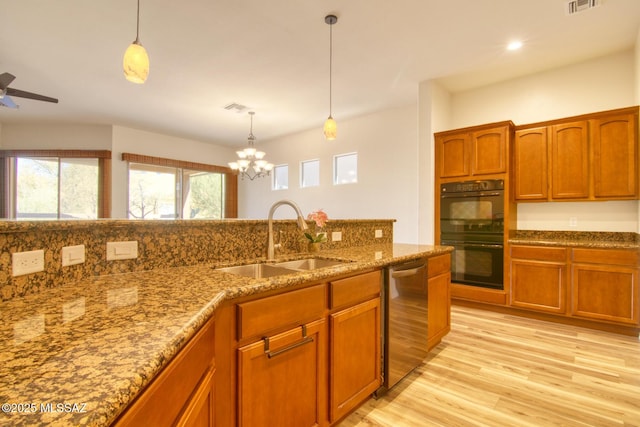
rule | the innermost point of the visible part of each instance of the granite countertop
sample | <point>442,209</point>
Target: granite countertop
<point>584,239</point>
<point>88,348</point>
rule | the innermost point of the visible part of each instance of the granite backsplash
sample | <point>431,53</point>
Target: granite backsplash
<point>161,244</point>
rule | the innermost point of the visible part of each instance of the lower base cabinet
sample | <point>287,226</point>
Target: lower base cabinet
<point>439,294</point>
<point>604,285</point>
<point>280,379</point>
<point>580,283</point>
<point>354,357</point>
<point>539,278</point>
<point>182,394</point>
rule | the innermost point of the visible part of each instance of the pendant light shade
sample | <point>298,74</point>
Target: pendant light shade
<point>330,125</point>
<point>330,129</point>
<point>136,61</point>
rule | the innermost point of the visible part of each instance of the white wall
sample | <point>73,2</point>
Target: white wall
<point>118,139</point>
<point>128,140</point>
<point>387,188</point>
<point>601,84</point>
<point>434,110</point>
<point>55,137</point>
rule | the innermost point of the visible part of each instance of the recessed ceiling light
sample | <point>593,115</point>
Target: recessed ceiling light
<point>514,45</point>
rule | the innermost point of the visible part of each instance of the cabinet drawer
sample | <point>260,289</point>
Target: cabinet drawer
<point>287,309</point>
<point>163,400</point>
<point>539,253</point>
<point>438,265</point>
<point>606,256</point>
<point>355,289</point>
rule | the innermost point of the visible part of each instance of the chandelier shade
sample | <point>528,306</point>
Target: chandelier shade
<point>250,163</point>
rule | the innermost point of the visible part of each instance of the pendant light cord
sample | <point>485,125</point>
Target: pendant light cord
<point>330,67</point>
<point>138,24</point>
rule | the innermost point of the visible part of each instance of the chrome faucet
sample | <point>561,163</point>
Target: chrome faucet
<point>301,223</point>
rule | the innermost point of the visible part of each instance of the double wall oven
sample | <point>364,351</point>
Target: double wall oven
<point>472,221</point>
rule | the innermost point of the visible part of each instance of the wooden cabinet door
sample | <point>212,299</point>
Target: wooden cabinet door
<point>354,357</point>
<point>453,155</point>
<point>531,172</point>
<point>439,308</point>
<point>615,156</point>
<point>288,388</point>
<point>489,151</point>
<point>539,278</point>
<point>570,160</point>
<point>199,411</point>
<point>538,285</point>
<point>605,292</point>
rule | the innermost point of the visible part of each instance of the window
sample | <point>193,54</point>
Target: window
<point>280,177</point>
<point>345,168</point>
<point>310,173</point>
<point>63,184</point>
<point>169,189</point>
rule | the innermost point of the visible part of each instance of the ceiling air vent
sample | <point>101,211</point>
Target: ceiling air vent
<point>576,6</point>
<point>234,106</point>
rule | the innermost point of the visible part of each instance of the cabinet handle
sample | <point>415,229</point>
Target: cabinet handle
<point>305,340</point>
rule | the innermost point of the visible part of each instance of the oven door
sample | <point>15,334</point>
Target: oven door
<point>472,213</point>
<point>477,263</point>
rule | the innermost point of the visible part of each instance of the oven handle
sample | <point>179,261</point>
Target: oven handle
<point>471,245</point>
<point>459,195</point>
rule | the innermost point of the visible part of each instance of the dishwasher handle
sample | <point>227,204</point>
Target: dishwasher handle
<point>406,273</point>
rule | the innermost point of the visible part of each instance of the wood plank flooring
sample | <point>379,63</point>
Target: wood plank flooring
<point>500,370</point>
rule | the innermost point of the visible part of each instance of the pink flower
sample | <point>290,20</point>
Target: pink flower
<point>319,217</point>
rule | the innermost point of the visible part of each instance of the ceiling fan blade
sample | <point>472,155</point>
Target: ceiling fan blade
<point>5,80</point>
<point>7,102</point>
<point>24,94</point>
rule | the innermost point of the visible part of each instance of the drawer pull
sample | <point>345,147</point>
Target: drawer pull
<point>305,340</point>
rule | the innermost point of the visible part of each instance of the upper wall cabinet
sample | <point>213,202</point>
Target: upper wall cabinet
<point>469,152</point>
<point>591,157</point>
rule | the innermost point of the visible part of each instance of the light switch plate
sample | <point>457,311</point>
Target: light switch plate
<point>378,234</point>
<point>336,236</point>
<point>72,255</point>
<point>122,250</point>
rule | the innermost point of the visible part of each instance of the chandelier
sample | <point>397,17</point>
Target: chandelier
<point>251,162</point>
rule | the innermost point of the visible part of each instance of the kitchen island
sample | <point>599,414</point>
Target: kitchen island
<point>80,353</point>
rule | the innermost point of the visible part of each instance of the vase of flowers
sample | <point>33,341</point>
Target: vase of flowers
<point>320,218</point>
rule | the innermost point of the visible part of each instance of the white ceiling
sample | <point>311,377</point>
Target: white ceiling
<point>273,57</point>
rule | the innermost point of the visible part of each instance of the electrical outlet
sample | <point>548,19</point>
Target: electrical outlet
<point>122,250</point>
<point>573,221</point>
<point>72,255</point>
<point>336,236</point>
<point>27,262</point>
<point>378,234</point>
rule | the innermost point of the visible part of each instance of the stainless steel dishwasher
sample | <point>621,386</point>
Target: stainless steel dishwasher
<point>404,329</point>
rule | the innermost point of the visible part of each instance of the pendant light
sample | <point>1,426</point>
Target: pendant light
<point>251,162</point>
<point>330,126</point>
<point>136,61</point>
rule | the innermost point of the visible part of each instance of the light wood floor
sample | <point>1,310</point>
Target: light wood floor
<point>500,370</point>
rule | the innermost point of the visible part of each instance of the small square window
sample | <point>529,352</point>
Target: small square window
<point>310,173</point>
<point>345,168</point>
<point>280,177</point>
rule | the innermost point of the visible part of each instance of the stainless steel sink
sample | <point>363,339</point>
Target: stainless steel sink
<point>309,263</point>
<point>258,271</point>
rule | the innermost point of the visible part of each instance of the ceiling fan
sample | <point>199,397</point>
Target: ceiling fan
<point>5,91</point>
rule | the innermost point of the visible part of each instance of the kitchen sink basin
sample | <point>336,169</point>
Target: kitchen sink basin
<point>258,271</point>
<point>309,263</point>
<point>262,270</point>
